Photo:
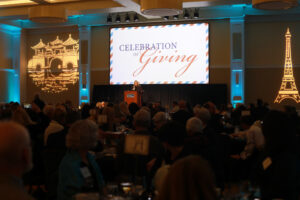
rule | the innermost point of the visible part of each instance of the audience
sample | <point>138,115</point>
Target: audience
<point>242,145</point>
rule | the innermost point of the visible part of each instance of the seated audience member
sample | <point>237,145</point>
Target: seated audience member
<point>188,178</point>
<point>278,178</point>
<point>159,119</point>
<point>194,126</point>
<point>204,115</point>
<point>215,121</point>
<point>141,123</point>
<point>49,111</point>
<point>133,108</point>
<point>78,171</point>
<point>125,111</point>
<point>147,164</point>
<point>15,160</point>
<point>182,115</point>
<point>175,107</point>
<point>58,140</point>
<point>198,144</point>
<point>253,135</point>
<point>195,140</point>
<point>172,135</point>
<point>93,115</point>
<point>20,116</point>
<point>54,153</point>
<point>57,123</point>
<point>109,112</point>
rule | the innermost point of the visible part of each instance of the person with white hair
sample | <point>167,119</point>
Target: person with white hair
<point>142,121</point>
<point>194,126</point>
<point>78,171</point>
<point>159,119</point>
<point>203,114</point>
<point>15,160</point>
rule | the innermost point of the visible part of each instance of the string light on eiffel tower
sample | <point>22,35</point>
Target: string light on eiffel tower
<point>288,88</point>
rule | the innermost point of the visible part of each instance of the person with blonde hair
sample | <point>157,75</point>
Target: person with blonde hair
<point>189,178</point>
<point>78,170</point>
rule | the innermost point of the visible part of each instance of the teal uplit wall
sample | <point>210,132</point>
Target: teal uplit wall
<point>9,74</point>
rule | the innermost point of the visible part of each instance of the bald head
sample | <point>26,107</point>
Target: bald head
<point>15,150</point>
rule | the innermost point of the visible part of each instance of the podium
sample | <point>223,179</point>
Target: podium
<point>131,96</point>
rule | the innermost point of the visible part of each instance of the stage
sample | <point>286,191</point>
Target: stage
<point>165,94</point>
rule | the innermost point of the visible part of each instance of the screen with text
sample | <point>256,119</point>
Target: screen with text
<point>168,54</point>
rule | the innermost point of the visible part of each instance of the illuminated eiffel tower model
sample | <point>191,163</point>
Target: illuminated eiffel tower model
<point>288,88</point>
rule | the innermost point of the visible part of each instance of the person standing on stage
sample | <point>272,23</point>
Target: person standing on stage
<point>137,87</point>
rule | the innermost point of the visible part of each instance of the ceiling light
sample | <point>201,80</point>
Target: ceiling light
<point>136,18</point>
<point>186,14</point>
<point>109,19</point>
<point>274,4</point>
<point>47,14</point>
<point>196,14</point>
<point>118,19</point>
<point>161,7</point>
<point>127,18</point>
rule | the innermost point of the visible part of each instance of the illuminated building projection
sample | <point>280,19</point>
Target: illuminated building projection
<point>288,88</point>
<point>54,66</point>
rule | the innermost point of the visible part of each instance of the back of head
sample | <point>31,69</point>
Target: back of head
<point>82,135</point>
<point>142,118</point>
<point>182,104</point>
<point>49,111</point>
<point>21,116</point>
<point>203,114</point>
<point>124,108</point>
<point>160,117</point>
<point>194,125</point>
<point>172,133</point>
<point>133,108</point>
<point>211,107</point>
<point>40,103</point>
<point>60,114</point>
<point>189,178</point>
<point>15,150</point>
